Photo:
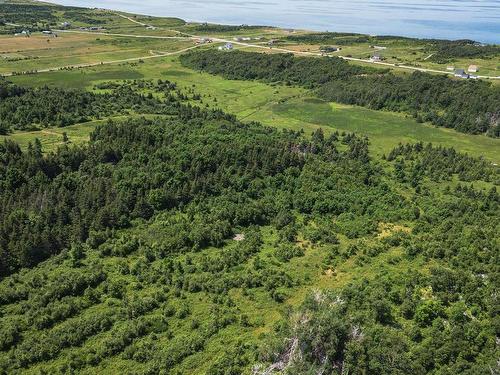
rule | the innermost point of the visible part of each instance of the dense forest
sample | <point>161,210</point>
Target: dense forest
<point>140,251</point>
<point>448,50</point>
<point>467,106</point>
<point>31,108</point>
<point>27,14</point>
<point>216,28</point>
<point>177,238</point>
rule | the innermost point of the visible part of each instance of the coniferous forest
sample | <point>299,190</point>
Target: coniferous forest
<point>117,240</point>
<point>172,205</point>
<point>466,106</point>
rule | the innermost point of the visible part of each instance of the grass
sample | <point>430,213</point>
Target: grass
<point>52,138</point>
<point>384,129</point>
<point>38,52</point>
<point>278,106</point>
<point>404,53</point>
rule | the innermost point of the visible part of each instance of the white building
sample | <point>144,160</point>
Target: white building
<point>473,69</point>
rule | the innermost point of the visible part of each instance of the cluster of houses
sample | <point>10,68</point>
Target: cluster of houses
<point>92,28</point>
<point>25,33</point>
<point>204,41</point>
<point>226,47</point>
<point>461,73</point>
<point>376,57</point>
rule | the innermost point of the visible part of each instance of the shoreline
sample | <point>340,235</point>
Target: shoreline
<point>417,36</point>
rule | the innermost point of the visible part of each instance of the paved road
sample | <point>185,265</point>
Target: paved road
<point>407,67</point>
<point>220,40</point>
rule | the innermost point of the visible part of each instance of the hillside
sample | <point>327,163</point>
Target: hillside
<point>170,239</point>
<point>168,211</point>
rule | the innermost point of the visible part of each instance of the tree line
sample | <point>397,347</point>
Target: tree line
<point>31,108</point>
<point>466,106</point>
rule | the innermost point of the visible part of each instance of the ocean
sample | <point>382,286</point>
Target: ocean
<point>449,19</point>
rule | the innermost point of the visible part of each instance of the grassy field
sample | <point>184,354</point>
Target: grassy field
<point>254,309</point>
<point>401,52</point>
<point>39,52</point>
<point>279,106</point>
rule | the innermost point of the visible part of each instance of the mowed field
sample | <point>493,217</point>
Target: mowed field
<point>21,54</point>
<point>279,106</point>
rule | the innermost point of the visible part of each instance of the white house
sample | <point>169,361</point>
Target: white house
<point>226,47</point>
<point>473,69</point>
<point>376,57</point>
<point>460,73</point>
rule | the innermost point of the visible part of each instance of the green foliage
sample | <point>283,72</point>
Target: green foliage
<point>27,108</point>
<point>283,68</point>
<point>448,50</point>
<point>171,244</point>
<point>215,28</point>
<point>466,106</point>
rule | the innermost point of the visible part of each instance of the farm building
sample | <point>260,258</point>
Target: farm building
<point>473,69</point>
<point>226,47</point>
<point>25,33</point>
<point>461,73</point>
<point>329,49</point>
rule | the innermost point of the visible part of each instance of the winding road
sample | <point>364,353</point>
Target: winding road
<point>219,40</point>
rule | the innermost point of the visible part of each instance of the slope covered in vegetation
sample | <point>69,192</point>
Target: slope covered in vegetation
<point>175,244</point>
<point>466,106</point>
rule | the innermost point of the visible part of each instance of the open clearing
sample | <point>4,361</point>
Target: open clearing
<point>279,106</point>
<point>20,54</point>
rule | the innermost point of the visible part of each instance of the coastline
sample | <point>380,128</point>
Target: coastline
<point>413,28</point>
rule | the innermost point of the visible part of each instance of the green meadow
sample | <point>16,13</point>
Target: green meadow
<point>274,105</point>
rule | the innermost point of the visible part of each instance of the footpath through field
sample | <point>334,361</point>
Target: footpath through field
<point>87,65</point>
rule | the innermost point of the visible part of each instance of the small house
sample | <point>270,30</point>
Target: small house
<point>47,32</point>
<point>460,73</point>
<point>473,69</point>
<point>327,49</point>
<point>25,33</point>
<point>226,47</point>
<point>66,25</point>
<point>376,57</point>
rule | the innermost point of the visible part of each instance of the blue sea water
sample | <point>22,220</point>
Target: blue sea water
<point>448,19</point>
